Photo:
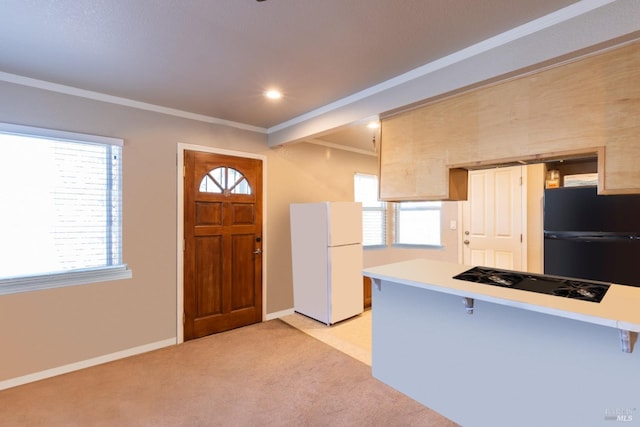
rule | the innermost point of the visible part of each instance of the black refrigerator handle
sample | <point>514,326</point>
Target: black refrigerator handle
<point>587,236</point>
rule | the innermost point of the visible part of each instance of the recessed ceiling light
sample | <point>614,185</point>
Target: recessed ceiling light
<point>273,94</point>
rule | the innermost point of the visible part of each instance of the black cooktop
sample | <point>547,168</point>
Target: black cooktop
<point>585,290</point>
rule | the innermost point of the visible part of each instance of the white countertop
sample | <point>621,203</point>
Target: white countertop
<point>620,307</point>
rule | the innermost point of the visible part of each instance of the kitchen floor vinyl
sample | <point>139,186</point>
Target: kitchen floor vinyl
<point>351,336</point>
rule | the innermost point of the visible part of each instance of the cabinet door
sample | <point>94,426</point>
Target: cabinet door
<point>366,291</point>
<point>413,160</point>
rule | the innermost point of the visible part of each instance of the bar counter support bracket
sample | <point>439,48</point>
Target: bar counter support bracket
<point>626,340</point>
<point>468,304</point>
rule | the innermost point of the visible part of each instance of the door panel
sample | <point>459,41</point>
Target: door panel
<point>242,278</point>
<point>504,206</point>
<point>493,219</point>
<point>243,213</point>
<point>478,257</point>
<point>223,242</point>
<point>506,260</point>
<point>208,278</point>
<point>208,213</point>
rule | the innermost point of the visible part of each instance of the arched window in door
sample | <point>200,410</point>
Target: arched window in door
<point>224,180</point>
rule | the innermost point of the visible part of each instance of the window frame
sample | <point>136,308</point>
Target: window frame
<point>237,187</point>
<point>397,207</point>
<point>73,277</point>
<point>383,208</point>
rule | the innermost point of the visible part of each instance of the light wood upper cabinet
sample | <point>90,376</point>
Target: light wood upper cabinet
<point>413,159</point>
<point>585,108</point>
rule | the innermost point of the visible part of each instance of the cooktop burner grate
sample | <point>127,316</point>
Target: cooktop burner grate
<point>552,285</point>
<point>581,290</point>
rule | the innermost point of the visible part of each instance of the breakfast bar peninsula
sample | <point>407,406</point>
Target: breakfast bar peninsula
<point>516,350</point>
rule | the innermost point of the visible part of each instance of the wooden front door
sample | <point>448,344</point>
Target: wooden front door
<point>223,243</point>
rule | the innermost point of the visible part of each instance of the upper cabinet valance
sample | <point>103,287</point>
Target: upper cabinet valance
<point>586,107</point>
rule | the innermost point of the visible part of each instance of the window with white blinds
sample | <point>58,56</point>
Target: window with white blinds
<point>374,212</point>
<point>61,222</point>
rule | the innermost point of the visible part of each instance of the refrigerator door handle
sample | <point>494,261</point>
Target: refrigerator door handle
<point>590,236</point>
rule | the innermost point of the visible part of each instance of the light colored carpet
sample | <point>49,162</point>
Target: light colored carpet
<point>351,336</point>
<point>267,374</point>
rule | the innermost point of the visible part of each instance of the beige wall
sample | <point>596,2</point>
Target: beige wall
<point>302,173</point>
<point>331,172</point>
<point>448,251</point>
<point>52,328</point>
<point>535,195</point>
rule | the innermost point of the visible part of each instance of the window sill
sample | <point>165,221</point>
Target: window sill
<point>410,246</point>
<point>58,280</point>
<point>374,247</point>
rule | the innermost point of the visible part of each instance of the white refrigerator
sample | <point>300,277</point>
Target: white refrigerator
<point>326,251</point>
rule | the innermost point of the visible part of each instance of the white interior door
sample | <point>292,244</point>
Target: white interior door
<point>492,219</point>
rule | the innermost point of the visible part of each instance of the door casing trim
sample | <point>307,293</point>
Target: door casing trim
<point>181,148</point>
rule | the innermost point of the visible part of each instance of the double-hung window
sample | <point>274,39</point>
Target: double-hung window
<point>374,212</point>
<point>417,223</point>
<point>61,219</point>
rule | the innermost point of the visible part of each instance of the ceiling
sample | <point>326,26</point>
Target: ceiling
<point>214,58</point>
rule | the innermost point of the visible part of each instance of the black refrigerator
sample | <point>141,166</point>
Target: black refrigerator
<point>592,237</point>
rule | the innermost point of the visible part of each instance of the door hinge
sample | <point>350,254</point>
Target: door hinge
<point>184,245</point>
<point>520,180</point>
<point>184,318</point>
<point>520,238</point>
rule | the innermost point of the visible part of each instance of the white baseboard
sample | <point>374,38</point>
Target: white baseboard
<point>278,314</point>
<point>36,376</point>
